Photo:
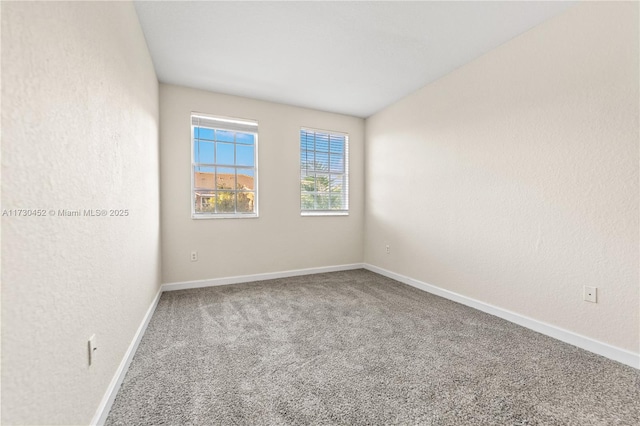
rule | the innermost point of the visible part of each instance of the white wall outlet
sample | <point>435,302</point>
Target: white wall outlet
<point>194,256</point>
<point>92,348</point>
<point>387,248</point>
<point>590,294</point>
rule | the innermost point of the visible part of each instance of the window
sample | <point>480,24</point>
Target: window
<point>324,173</point>
<point>224,167</point>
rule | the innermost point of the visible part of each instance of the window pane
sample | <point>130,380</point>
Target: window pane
<point>226,202</point>
<point>203,152</point>
<point>246,138</point>
<point>336,144</point>
<point>336,201</point>
<point>337,163</point>
<point>226,178</point>
<point>303,159</point>
<point>322,142</point>
<point>307,201</point>
<point>205,201</point>
<point>224,135</point>
<point>244,155</point>
<point>308,183</point>
<point>205,133</point>
<point>322,162</point>
<point>203,177</point>
<point>245,202</point>
<point>336,183</point>
<point>322,201</point>
<point>224,153</point>
<point>307,159</point>
<point>322,183</point>
<point>306,141</point>
<point>246,179</point>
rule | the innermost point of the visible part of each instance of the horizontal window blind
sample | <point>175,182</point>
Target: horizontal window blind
<point>324,172</point>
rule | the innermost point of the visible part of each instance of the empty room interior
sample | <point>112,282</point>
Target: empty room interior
<point>320,213</point>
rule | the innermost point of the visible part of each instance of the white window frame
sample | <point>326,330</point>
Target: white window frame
<point>230,124</point>
<point>345,210</point>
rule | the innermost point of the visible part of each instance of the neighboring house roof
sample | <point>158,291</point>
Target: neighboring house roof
<point>205,180</point>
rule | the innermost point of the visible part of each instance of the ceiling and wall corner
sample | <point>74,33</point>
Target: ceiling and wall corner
<point>350,57</point>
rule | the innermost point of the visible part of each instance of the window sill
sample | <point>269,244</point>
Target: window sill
<point>224,216</point>
<point>304,214</point>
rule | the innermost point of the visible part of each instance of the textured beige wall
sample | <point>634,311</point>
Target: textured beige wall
<point>79,131</point>
<point>514,179</point>
<point>279,239</point>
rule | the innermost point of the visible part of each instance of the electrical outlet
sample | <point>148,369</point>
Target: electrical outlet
<point>92,348</point>
<point>388,249</point>
<point>590,294</point>
<point>194,256</point>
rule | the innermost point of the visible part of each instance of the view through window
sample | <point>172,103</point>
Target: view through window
<point>324,172</point>
<point>224,167</point>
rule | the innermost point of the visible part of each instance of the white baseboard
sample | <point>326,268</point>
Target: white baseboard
<point>258,277</point>
<point>617,354</point>
<point>102,412</point>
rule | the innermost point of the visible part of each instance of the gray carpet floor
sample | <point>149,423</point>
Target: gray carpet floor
<point>356,348</point>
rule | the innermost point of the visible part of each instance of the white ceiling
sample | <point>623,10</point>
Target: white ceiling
<point>347,57</point>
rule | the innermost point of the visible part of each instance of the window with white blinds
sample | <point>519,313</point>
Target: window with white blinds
<point>224,172</point>
<point>324,172</point>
